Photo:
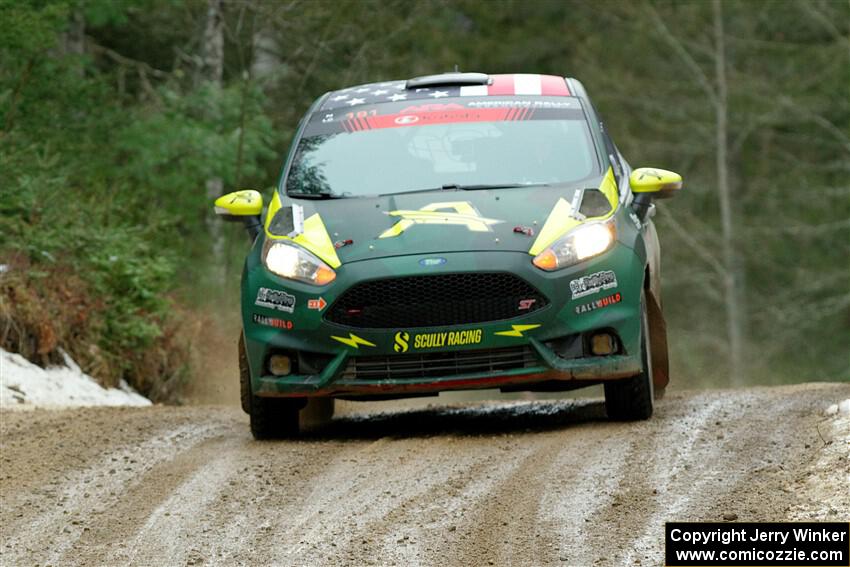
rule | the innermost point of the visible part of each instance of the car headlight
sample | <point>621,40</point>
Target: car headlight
<point>584,242</point>
<point>295,263</point>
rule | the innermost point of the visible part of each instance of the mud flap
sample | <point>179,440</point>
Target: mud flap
<point>658,346</point>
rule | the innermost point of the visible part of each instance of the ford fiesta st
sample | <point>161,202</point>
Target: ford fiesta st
<point>454,231</point>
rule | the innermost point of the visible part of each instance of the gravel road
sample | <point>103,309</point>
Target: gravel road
<point>502,483</point>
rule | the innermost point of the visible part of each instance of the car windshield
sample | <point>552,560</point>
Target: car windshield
<point>401,148</point>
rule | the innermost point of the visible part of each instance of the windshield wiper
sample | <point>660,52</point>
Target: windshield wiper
<point>459,187</point>
<point>319,195</point>
<point>485,186</point>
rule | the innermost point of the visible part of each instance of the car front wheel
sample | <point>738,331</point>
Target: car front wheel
<point>630,399</point>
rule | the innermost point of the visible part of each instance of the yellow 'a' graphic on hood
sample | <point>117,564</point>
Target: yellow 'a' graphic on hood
<point>435,213</point>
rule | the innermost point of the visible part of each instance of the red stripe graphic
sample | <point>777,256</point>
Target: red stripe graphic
<point>553,86</point>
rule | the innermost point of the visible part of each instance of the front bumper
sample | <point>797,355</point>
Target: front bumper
<point>539,331</point>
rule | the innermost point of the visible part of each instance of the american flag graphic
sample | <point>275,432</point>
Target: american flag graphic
<point>395,91</point>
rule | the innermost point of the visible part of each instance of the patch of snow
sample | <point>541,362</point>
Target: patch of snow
<point>24,384</point>
<point>831,410</point>
<point>844,407</point>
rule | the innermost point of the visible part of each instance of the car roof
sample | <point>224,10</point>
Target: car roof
<point>435,87</point>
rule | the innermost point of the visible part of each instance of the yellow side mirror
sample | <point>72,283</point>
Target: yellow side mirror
<point>239,205</point>
<point>660,183</point>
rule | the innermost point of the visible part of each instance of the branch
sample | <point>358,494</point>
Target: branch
<point>140,66</point>
<point>837,132</point>
<point>680,50</point>
<point>692,243</point>
<point>825,21</point>
<point>801,229</point>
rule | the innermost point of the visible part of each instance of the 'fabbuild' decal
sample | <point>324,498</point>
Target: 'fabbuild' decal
<point>403,341</point>
<point>599,303</point>
<point>459,213</point>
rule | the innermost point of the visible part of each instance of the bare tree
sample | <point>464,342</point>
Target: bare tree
<point>716,91</point>
<point>212,72</point>
<point>732,278</point>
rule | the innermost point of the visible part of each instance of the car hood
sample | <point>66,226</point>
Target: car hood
<point>509,219</point>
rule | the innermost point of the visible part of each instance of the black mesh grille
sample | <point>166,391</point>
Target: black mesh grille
<point>439,364</point>
<point>434,301</point>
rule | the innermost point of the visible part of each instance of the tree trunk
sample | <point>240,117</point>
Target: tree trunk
<point>732,281</point>
<point>212,72</point>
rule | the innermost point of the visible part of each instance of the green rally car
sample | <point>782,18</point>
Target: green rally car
<point>448,232</point>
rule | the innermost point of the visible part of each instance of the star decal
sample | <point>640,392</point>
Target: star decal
<point>355,101</point>
<point>340,97</point>
<point>379,92</point>
<point>361,90</point>
<point>439,94</point>
<point>397,97</point>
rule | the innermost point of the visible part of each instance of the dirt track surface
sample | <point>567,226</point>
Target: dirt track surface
<point>503,483</point>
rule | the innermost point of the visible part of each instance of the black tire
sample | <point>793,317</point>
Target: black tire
<point>274,418</point>
<point>278,418</point>
<point>244,376</point>
<point>281,418</point>
<point>630,399</point>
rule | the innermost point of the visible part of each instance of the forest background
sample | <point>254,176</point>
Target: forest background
<point>120,121</point>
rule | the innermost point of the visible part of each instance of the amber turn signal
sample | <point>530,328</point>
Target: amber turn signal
<point>546,260</point>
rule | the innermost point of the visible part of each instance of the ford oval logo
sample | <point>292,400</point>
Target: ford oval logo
<point>429,262</point>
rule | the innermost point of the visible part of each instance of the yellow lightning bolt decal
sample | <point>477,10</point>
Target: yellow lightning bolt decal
<point>353,340</point>
<point>516,331</point>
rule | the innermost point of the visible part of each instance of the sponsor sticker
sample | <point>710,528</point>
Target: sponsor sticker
<point>318,303</point>
<point>636,220</point>
<point>275,299</point>
<point>272,322</point>
<point>403,341</point>
<point>593,283</point>
<point>599,303</point>
<point>526,304</point>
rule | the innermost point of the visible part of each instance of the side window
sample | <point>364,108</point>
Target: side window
<point>613,154</point>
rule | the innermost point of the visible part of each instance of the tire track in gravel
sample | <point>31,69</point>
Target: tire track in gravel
<point>426,527</point>
<point>583,479</point>
<point>508,514</point>
<point>346,502</point>
<point>151,514</point>
<point>665,483</point>
<point>546,483</point>
<point>92,490</point>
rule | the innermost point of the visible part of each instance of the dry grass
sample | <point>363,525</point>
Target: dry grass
<point>45,310</point>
